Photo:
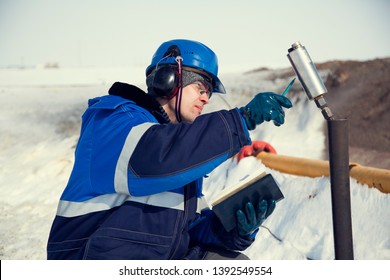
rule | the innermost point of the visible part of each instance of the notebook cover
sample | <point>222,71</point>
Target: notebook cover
<point>264,188</point>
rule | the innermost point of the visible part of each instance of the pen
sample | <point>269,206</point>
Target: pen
<point>288,87</point>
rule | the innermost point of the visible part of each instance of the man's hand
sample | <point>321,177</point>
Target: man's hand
<point>254,149</point>
<point>250,221</point>
<point>266,106</point>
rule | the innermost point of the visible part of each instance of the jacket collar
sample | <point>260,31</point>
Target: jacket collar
<point>141,98</point>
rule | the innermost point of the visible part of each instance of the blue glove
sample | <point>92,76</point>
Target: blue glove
<point>251,221</point>
<point>265,106</point>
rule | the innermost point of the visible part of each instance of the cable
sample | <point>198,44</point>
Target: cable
<point>179,60</point>
<point>281,241</point>
<point>270,232</point>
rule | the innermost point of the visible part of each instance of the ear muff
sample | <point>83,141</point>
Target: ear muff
<point>166,81</point>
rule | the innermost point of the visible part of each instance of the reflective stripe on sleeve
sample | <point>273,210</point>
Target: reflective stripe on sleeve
<point>120,177</point>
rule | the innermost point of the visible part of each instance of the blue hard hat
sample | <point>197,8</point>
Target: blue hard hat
<point>195,55</point>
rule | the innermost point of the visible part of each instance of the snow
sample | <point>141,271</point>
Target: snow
<point>40,121</point>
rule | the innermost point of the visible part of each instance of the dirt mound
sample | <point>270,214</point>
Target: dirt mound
<point>360,92</point>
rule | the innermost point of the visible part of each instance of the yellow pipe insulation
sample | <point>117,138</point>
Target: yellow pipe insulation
<point>373,177</point>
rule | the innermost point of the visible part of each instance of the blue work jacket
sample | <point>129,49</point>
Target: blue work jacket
<point>135,191</point>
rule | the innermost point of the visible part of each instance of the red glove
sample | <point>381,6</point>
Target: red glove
<point>254,149</point>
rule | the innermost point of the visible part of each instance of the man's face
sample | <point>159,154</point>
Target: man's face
<point>194,97</point>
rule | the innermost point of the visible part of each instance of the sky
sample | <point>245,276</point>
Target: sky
<point>245,34</point>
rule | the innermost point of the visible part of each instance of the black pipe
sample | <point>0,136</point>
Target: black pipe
<point>338,132</point>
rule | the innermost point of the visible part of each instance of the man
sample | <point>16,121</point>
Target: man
<point>136,186</point>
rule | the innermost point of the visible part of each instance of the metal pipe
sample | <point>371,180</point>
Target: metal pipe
<point>340,189</point>
<point>338,149</point>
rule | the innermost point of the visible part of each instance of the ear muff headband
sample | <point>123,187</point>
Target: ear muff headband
<point>179,61</point>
